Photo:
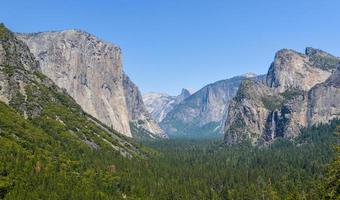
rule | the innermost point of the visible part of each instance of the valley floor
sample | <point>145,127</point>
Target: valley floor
<point>180,169</point>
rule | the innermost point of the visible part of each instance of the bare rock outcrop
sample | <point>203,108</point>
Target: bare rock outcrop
<point>301,90</point>
<point>159,105</point>
<point>291,69</point>
<point>202,113</point>
<point>137,112</point>
<point>247,113</point>
<point>324,100</point>
<point>51,114</point>
<point>91,71</point>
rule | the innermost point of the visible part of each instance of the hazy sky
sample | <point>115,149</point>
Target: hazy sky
<point>171,44</point>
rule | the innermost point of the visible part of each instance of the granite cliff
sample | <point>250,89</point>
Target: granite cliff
<point>202,113</point>
<point>301,90</point>
<point>139,117</point>
<point>49,118</point>
<point>91,71</point>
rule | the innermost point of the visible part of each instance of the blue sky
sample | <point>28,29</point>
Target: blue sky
<point>171,44</point>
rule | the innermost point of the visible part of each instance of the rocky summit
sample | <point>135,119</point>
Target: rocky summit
<point>202,114</point>
<point>91,71</point>
<point>159,104</point>
<point>301,90</point>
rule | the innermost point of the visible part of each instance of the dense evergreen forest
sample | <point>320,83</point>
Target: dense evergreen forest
<point>37,166</point>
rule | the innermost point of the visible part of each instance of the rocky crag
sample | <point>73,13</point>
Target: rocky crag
<point>301,90</point>
<point>202,113</point>
<point>159,105</point>
<point>48,116</point>
<point>139,117</point>
<point>91,71</point>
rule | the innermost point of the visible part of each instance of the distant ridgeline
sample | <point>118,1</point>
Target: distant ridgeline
<point>198,115</point>
<point>51,148</point>
<point>299,90</point>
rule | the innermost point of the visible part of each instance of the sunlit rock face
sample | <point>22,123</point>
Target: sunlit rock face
<point>291,69</point>
<point>324,100</point>
<point>91,71</point>
<point>159,104</point>
<point>137,111</point>
<point>203,113</point>
<point>300,90</point>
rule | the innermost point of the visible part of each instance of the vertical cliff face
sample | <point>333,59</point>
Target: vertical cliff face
<point>301,90</point>
<point>291,69</point>
<point>202,113</point>
<point>137,112</point>
<point>247,113</point>
<point>324,100</point>
<point>46,112</point>
<point>90,70</point>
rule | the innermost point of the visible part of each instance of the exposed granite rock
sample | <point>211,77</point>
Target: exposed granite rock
<point>184,94</point>
<point>159,105</point>
<point>89,69</point>
<point>137,111</point>
<point>202,113</point>
<point>247,114</point>
<point>291,69</point>
<point>299,92</point>
<point>324,100</point>
<point>91,72</point>
<point>48,108</point>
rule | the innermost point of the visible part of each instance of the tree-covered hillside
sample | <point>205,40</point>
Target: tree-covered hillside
<point>201,169</point>
<point>35,165</point>
<point>51,149</point>
<point>48,143</point>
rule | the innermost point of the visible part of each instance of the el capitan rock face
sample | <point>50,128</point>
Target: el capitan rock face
<point>301,90</point>
<point>46,111</point>
<point>90,70</point>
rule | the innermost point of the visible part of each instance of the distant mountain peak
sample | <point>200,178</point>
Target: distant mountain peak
<point>185,92</point>
<point>249,75</point>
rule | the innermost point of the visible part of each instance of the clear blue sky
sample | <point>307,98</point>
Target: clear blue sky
<point>170,44</point>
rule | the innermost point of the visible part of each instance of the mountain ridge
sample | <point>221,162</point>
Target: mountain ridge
<point>159,104</point>
<point>280,107</point>
<point>202,113</point>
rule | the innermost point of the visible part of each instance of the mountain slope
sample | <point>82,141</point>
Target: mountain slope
<point>90,70</point>
<point>301,90</point>
<point>201,114</point>
<point>39,100</point>
<point>160,104</point>
<point>140,119</point>
<point>46,136</point>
